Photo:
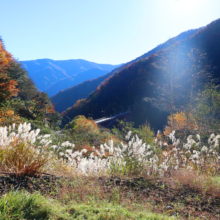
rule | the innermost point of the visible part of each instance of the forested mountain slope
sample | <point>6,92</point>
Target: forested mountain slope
<point>148,85</point>
<point>68,98</point>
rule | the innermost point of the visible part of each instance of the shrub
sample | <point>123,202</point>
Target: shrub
<point>81,124</point>
<point>144,131</point>
<point>182,123</point>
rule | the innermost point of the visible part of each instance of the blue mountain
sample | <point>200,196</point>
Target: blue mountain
<point>53,76</point>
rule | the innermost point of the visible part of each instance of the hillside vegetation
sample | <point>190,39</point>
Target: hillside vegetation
<point>67,98</point>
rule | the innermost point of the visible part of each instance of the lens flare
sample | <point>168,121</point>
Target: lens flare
<point>186,4</point>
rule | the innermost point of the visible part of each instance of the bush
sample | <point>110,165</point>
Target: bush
<point>81,124</point>
<point>144,131</point>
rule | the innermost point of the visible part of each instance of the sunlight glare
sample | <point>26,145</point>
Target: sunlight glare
<point>186,4</point>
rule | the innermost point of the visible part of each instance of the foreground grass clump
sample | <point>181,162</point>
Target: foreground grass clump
<point>22,205</point>
<point>18,152</point>
<point>23,152</point>
<point>22,159</point>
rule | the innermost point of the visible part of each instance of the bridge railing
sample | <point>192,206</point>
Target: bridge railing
<point>110,117</point>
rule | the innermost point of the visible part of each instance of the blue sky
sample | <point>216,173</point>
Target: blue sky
<point>102,31</point>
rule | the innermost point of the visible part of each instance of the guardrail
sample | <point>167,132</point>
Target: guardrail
<point>110,117</point>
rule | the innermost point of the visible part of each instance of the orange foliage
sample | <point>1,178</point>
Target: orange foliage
<point>79,102</point>
<point>8,117</point>
<point>5,57</point>
<point>180,122</point>
<point>7,85</point>
<point>50,109</point>
<point>87,147</point>
<point>98,88</point>
<point>82,124</point>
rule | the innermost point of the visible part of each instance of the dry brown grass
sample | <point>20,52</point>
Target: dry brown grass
<point>22,159</point>
<point>82,188</point>
<point>205,185</point>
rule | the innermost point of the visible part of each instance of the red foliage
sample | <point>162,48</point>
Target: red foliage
<point>7,85</point>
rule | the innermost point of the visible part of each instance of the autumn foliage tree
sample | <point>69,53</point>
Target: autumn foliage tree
<point>81,124</point>
<point>42,108</point>
<point>7,85</point>
<point>8,116</point>
<point>182,123</point>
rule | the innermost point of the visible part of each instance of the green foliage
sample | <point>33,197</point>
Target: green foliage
<point>129,166</point>
<point>144,131</point>
<point>55,120</point>
<point>27,88</point>
<point>146,134</point>
<point>123,127</point>
<point>30,112</point>
<point>21,107</point>
<point>83,131</point>
<point>207,108</point>
<point>22,205</point>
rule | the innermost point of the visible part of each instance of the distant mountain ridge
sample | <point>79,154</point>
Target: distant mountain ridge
<point>53,76</point>
<point>68,97</point>
<point>75,80</point>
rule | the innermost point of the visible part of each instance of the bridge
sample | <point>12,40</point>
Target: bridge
<point>107,121</point>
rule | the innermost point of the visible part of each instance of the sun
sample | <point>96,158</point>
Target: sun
<point>186,4</point>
